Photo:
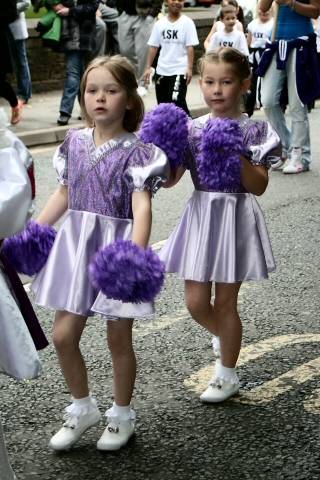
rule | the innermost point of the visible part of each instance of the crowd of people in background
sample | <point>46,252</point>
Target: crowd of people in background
<point>86,29</point>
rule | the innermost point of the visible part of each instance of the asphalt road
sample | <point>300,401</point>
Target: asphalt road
<point>269,431</point>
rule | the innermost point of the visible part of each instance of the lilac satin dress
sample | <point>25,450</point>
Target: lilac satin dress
<point>100,182</point>
<point>222,235</point>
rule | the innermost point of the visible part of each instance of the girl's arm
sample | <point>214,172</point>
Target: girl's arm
<point>312,10</point>
<point>249,38</point>
<point>206,43</point>
<point>190,51</point>
<point>254,178</point>
<point>151,56</point>
<point>174,178</point>
<point>55,206</point>
<point>142,218</point>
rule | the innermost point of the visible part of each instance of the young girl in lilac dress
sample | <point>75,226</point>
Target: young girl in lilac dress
<point>222,236</point>
<point>107,176</point>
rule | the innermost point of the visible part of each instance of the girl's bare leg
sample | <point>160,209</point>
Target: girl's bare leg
<point>198,300</point>
<point>119,336</point>
<point>67,331</point>
<point>221,318</point>
<point>227,317</point>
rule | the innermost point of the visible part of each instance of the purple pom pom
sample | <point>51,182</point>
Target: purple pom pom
<point>124,271</point>
<point>220,164</point>
<point>28,250</point>
<point>167,127</point>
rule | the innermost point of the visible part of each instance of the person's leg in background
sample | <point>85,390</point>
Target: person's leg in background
<point>126,37</point>
<point>142,32</point>
<point>22,70</point>
<point>101,33</point>
<point>109,16</point>
<point>164,88</point>
<point>172,89</point>
<point>74,71</point>
<point>300,130</point>
<point>271,87</point>
<point>7,92</point>
<point>179,93</point>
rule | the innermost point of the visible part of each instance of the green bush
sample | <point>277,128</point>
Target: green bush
<point>30,13</point>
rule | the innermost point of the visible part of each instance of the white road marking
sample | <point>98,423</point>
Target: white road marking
<point>312,404</point>
<point>158,245</point>
<point>271,389</point>
<point>160,323</point>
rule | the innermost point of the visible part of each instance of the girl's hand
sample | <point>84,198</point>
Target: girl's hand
<point>188,75</point>
<point>63,12</point>
<point>283,2</point>
<point>146,75</point>
<point>142,218</point>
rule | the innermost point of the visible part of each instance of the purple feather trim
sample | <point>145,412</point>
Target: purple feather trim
<point>167,127</point>
<point>124,271</point>
<point>220,163</point>
<point>28,250</point>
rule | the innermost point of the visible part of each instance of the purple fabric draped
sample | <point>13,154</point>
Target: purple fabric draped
<point>39,339</point>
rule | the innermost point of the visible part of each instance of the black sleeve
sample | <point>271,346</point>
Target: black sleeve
<point>8,12</point>
<point>84,10</point>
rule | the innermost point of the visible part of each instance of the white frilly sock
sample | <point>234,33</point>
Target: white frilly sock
<point>123,413</point>
<point>226,373</point>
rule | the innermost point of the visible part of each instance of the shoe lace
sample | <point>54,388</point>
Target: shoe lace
<point>70,420</point>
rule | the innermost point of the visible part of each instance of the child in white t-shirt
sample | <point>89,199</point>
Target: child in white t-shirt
<point>218,25</point>
<point>176,34</point>
<point>229,36</point>
<point>260,29</point>
<point>259,33</point>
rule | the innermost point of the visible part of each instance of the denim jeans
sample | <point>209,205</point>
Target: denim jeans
<point>21,67</point>
<point>74,72</point>
<point>271,87</point>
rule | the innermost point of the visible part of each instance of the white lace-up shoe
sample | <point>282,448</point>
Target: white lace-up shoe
<point>77,421</point>
<point>117,432</point>
<point>279,164</point>
<point>295,163</point>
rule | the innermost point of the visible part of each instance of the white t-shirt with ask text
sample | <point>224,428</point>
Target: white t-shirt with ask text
<point>233,39</point>
<point>173,38</point>
<point>260,32</point>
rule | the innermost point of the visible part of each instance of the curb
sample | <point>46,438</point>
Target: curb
<point>56,134</point>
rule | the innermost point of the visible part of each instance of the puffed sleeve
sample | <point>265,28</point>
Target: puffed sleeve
<point>147,168</point>
<point>60,158</point>
<point>263,143</point>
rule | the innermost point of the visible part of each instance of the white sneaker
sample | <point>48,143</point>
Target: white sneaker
<point>215,342</point>
<point>117,432</point>
<point>77,421</point>
<point>295,163</point>
<point>279,164</point>
<point>142,91</point>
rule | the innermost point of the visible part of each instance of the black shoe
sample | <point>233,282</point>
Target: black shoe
<point>63,119</point>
